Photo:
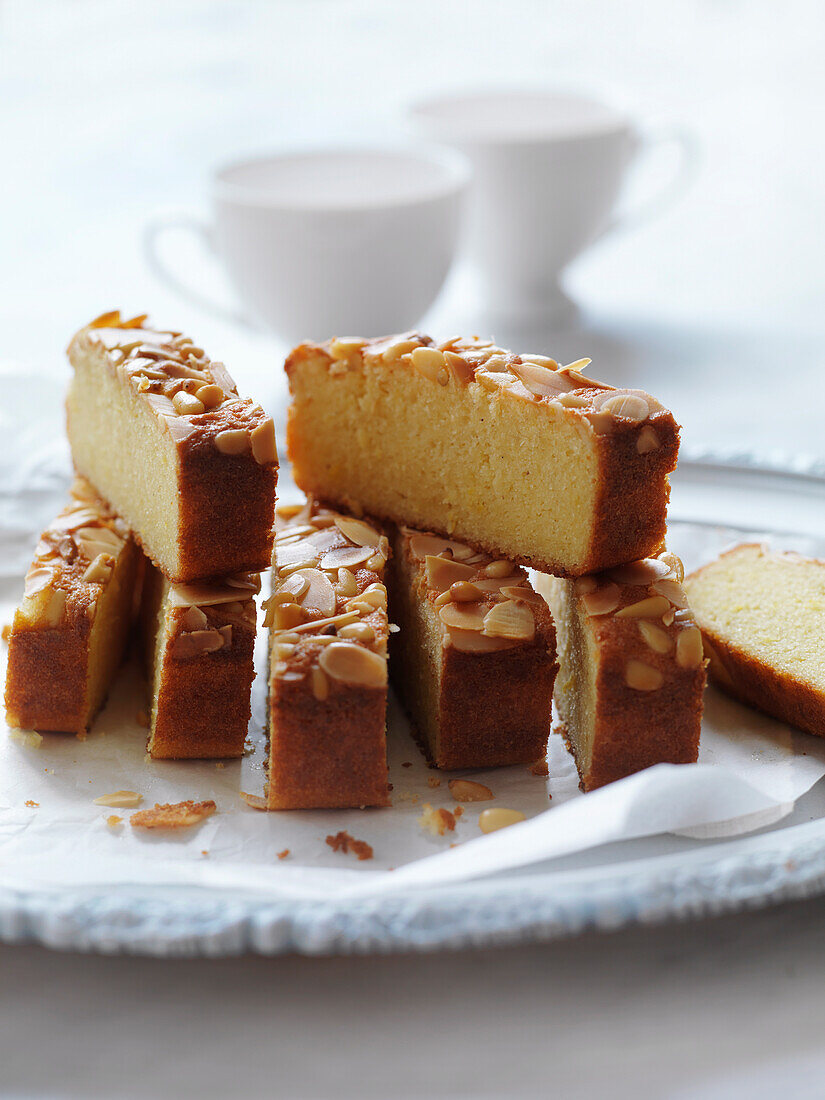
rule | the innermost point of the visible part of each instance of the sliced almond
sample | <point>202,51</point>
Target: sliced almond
<point>541,381</point>
<point>122,799</point>
<point>601,601</point>
<point>462,616</point>
<point>473,641</point>
<point>193,619</point>
<point>651,608</point>
<point>511,619</point>
<point>262,441</point>
<point>356,530</point>
<point>443,572</point>
<point>427,361</point>
<point>626,406</point>
<point>644,571</point>
<point>522,592</point>
<point>642,677</point>
<point>100,570</point>
<point>318,595</point>
<point>233,441</point>
<point>301,554</point>
<point>196,643</point>
<point>345,557</point>
<point>350,663</point>
<point>467,790</point>
<point>672,591</point>
<point>657,639</point>
<point>38,578</point>
<point>647,441</point>
<point>689,650</point>
<point>294,586</point>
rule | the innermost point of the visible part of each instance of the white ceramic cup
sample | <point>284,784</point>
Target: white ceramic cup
<point>548,168</point>
<point>329,242</point>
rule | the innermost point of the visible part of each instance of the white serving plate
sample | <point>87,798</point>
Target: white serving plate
<point>644,880</point>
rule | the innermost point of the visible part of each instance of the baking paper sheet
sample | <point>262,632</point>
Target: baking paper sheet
<point>751,770</point>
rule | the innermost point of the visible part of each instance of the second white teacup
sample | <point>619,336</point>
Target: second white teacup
<point>330,242</point>
<point>548,168</point>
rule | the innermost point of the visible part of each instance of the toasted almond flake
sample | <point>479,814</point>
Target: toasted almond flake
<point>178,815</point>
<point>37,578</point>
<point>645,571</point>
<point>689,651</point>
<point>264,446</point>
<point>499,817</point>
<point>647,441</point>
<point>672,591</point>
<point>350,663</point>
<point>347,584</point>
<point>322,624</point>
<point>651,608</point>
<point>345,557</point>
<point>427,361</point>
<point>320,685</point>
<point>642,677</point>
<point>193,619</point>
<point>31,739</point>
<point>196,643</point>
<point>120,799</point>
<point>473,641</point>
<point>522,592</point>
<point>602,600</point>
<point>443,572</point>
<point>511,619</point>
<point>318,594</point>
<point>205,595</point>
<point>52,613</point>
<point>233,441</point>
<point>342,347</point>
<point>656,638</point>
<point>626,406</point>
<point>462,616</point>
<point>422,545</point>
<point>541,381</point>
<point>674,564</point>
<point>460,370</point>
<point>498,569</point>
<point>358,532</point>
<point>374,596</point>
<point>223,378</point>
<point>467,790</point>
<point>100,570</point>
<point>254,801</point>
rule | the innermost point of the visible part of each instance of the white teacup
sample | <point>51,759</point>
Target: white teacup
<point>548,168</point>
<point>335,242</point>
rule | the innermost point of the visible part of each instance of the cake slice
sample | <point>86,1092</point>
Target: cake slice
<point>514,455</point>
<point>198,642</point>
<point>328,663</point>
<point>631,668</point>
<point>161,432</point>
<point>475,658</point>
<point>69,633</point>
<point>762,615</point>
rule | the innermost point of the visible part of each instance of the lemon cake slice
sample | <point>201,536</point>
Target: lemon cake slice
<point>164,437</point>
<point>69,633</point>
<point>198,642</point>
<point>328,662</point>
<point>631,669</point>
<point>475,658</point>
<point>762,615</point>
<point>513,454</point>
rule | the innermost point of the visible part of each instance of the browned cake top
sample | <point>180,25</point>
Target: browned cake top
<point>192,395</point>
<point>74,559</point>
<point>534,378</point>
<point>645,605</point>
<point>485,604</point>
<point>328,609</point>
<point>204,615</point>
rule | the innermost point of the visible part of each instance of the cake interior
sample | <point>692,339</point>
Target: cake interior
<point>768,606</point>
<point>575,691</point>
<point>496,472</point>
<point>415,651</point>
<point>110,629</point>
<point>154,638</point>
<point>124,449</point>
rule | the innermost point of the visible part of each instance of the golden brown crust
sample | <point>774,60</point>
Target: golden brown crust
<point>754,682</point>
<point>227,460</point>
<point>637,440</point>
<point>650,671</point>
<point>494,707</point>
<point>201,707</point>
<point>327,687</point>
<point>47,679</point>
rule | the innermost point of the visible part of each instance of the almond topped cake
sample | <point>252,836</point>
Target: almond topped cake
<point>517,456</point>
<point>69,633</point>
<point>475,658</point>
<point>161,432</point>
<point>762,615</point>
<point>328,662</point>
<point>198,643</point>
<point>631,668</point>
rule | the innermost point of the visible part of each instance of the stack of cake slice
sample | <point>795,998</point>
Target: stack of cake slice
<point>478,461</point>
<point>175,463</point>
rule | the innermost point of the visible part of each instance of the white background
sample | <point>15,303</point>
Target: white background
<point>110,111</point>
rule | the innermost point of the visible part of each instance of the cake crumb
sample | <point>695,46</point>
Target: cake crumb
<point>147,759</point>
<point>142,719</point>
<point>113,821</point>
<point>458,811</point>
<point>407,764</point>
<point>204,851</point>
<point>31,802</point>
<point>220,764</point>
<point>177,815</point>
<point>285,853</point>
<point>433,781</point>
<point>438,822</point>
<point>343,842</point>
<point>81,735</point>
<point>30,738</point>
<point>5,632</point>
<point>254,800</point>
<point>539,768</point>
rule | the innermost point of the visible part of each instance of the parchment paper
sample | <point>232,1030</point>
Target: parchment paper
<point>751,771</point>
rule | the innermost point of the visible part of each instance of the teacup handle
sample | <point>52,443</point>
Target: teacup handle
<point>154,230</point>
<point>685,172</point>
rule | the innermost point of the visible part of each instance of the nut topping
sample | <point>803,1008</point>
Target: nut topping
<point>187,404</point>
<point>462,616</point>
<point>689,650</point>
<point>232,441</point>
<point>601,601</point>
<point>427,361</point>
<point>642,677</point>
<point>672,591</point>
<point>467,790</point>
<point>511,620</point>
<point>490,821</point>
<point>350,663</point>
<point>443,572</point>
<point>318,595</point>
<point>498,569</point>
<point>37,578</point>
<point>356,530</point>
<point>346,557</point>
<point>464,592</point>
<point>100,569</point>
<point>262,440</point>
<point>657,639</point>
<point>651,608</point>
<point>626,407</point>
<point>645,571</point>
<point>648,441</point>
